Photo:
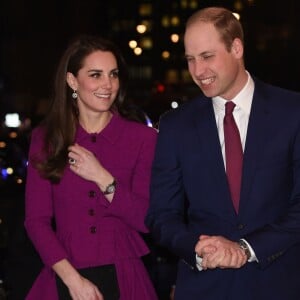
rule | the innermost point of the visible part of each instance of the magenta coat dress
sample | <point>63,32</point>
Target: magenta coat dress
<point>91,231</point>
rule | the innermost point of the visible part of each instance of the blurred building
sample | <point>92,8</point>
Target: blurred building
<point>150,36</point>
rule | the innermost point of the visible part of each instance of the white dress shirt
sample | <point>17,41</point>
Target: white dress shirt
<point>241,113</point>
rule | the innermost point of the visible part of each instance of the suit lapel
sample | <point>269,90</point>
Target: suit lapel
<point>205,123</point>
<point>256,135</point>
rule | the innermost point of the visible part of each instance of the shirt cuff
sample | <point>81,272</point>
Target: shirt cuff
<point>252,253</point>
<point>199,262</point>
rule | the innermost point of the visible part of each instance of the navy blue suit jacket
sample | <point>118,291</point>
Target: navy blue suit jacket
<point>190,197</point>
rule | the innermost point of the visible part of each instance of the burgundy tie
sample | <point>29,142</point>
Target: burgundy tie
<point>233,154</point>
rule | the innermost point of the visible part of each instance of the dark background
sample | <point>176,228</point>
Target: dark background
<point>33,35</point>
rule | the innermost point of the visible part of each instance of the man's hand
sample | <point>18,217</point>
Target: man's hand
<point>219,252</point>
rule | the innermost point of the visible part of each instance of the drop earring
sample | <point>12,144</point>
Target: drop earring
<point>74,95</point>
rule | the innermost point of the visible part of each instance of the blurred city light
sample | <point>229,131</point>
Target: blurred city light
<point>146,43</point>
<point>13,135</point>
<point>174,38</point>
<point>165,54</point>
<point>132,44</point>
<point>175,21</point>
<point>141,28</point>
<point>160,88</point>
<point>4,173</point>
<point>12,120</point>
<point>174,104</point>
<point>138,51</point>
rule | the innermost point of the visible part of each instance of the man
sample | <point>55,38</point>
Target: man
<point>234,222</point>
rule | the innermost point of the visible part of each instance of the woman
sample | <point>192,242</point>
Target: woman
<point>88,179</point>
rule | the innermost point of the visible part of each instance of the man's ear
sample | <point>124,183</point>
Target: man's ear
<point>237,48</point>
<point>71,80</point>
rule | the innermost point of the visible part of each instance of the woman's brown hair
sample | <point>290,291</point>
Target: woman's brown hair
<point>61,121</point>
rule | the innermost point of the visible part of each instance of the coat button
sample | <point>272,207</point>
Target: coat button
<point>241,226</point>
<point>92,194</point>
<point>93,229</point>
<point>91,212</point>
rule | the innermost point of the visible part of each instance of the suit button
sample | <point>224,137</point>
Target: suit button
<point>93,229</point>
<point>241,226</point>
<point>92,194</point>
<point>91,212</point>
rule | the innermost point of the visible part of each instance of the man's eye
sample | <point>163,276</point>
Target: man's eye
<point>207,56</point>
<point>189,59</point>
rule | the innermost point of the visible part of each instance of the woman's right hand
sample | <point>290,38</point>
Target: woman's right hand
<point>85,290</point>
<point>79,287</point>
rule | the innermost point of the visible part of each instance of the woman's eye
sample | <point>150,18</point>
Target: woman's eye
<point>115,74</point>
<point>95,75</point>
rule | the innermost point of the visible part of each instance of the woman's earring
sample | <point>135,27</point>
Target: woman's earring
<point>74,95</point>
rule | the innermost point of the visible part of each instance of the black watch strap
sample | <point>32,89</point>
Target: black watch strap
<point>110,189</point>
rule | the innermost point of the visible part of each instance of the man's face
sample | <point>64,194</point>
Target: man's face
<point>215,69</point>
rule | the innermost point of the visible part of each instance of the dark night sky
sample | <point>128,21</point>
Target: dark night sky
<point>34,33</point>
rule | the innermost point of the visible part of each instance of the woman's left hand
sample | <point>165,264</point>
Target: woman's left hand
<point>84,163</point>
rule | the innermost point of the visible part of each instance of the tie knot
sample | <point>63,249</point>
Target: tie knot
<point>229,107</point>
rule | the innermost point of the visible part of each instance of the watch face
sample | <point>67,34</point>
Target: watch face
<point>110,188</point>
<point>245,248</point>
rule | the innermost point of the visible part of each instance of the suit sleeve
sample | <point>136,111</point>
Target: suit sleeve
<point>166,215</point>
<point>39,210</point>
<point>273,240</point>
<point>131,202</point>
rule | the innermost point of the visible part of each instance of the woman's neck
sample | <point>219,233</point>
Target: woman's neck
<point>95,124</point>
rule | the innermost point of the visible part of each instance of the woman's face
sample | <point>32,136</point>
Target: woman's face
<point>97,82</point>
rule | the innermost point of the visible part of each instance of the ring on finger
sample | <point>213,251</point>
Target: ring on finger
<point>72,161</point>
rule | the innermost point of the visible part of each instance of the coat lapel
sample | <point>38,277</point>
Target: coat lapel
<point>256,135</point>
<point>205,123</point>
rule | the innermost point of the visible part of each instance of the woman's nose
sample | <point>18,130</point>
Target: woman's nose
<point>106,81</point>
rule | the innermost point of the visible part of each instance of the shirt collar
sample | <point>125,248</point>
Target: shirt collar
<point>242,100</point>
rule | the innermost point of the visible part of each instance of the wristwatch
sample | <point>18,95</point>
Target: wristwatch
<point>110,189</point>
<point>243,245</point>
